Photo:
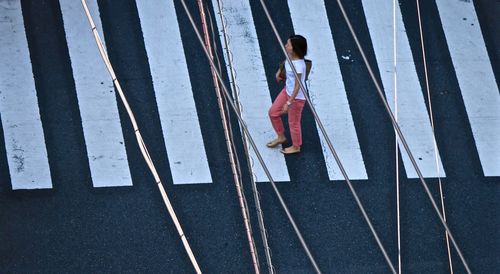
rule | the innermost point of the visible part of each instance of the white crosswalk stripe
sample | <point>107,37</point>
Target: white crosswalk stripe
<point>412,113</point>
<point>254,91</point>
<point>96,99</point>
<point>476,79</point>
<point>327,90</point>
<point>23,133</point>
<point>174,96</point>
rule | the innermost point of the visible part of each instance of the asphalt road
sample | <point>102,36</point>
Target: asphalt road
<point>75,227</point>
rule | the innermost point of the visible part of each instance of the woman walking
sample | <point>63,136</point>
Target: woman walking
<point>291,99</point>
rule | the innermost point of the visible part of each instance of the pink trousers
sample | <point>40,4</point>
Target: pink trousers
<point>294,116</point>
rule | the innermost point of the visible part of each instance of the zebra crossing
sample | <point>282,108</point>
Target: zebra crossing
<point>186,152</point>
<point>75,225</point>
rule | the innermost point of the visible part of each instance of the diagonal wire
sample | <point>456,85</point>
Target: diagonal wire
<point>252,143</point>
<point>401,136</point>
<point>330,145</point>
<point>140,141</point>
<point>398,208</point>
<point>436,151</point>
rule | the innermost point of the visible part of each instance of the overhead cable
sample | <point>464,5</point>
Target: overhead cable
<point>230,146</point>
<point>398,208</point>
<point>235,90</point>
<point>436,151</point>
<point>140,141</point>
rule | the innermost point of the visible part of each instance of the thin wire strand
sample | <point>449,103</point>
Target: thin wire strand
<point>398,207</point>
<point>140,140</point>
<point>254,146</point>
<point>330,145</point>
<point>436,151</point>
<point>227,111</point>
<point>401,136</point>
<point>235,91</point>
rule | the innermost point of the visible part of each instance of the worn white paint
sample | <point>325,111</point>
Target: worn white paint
<point>254,91</point>
<point>23,133</point>
<point>412,114</point>
<point>475,77</point>
<point>174,95</point>
<point>96,98</point>
<point>326,89</point>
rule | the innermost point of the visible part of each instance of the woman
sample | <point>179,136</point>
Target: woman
<point>291,99</point>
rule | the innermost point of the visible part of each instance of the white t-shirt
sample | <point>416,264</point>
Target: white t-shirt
<point>300,66</point>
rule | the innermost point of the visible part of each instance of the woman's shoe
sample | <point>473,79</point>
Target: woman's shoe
<point>276,142</point>
<point>290,150</point>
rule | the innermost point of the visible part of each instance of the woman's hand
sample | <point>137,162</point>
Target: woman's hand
<point>278,76</point>
<point>284,110</point>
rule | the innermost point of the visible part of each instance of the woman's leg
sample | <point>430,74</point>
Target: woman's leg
<point>275,113</point>
<point>294,118</point>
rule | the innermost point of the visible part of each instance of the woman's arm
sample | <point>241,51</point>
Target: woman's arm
<point>296,89</point>
<point>278,75</point>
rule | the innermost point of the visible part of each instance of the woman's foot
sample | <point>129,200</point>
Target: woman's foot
<point>290,150</point>
<point>275,142</point>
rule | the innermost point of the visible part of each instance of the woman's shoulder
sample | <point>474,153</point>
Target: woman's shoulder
<point>299,61</point>
<point>299,64</point>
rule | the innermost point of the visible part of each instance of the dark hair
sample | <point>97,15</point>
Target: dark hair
<point>299,45</point>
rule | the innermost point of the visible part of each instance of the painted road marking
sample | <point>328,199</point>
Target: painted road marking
<point>475,77</point>
<point>174,95</point>
<point>23,132</point>
<point>96,99</point>
<point>326,89</point>
<point>254,91</point>
<point>412,112</point>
